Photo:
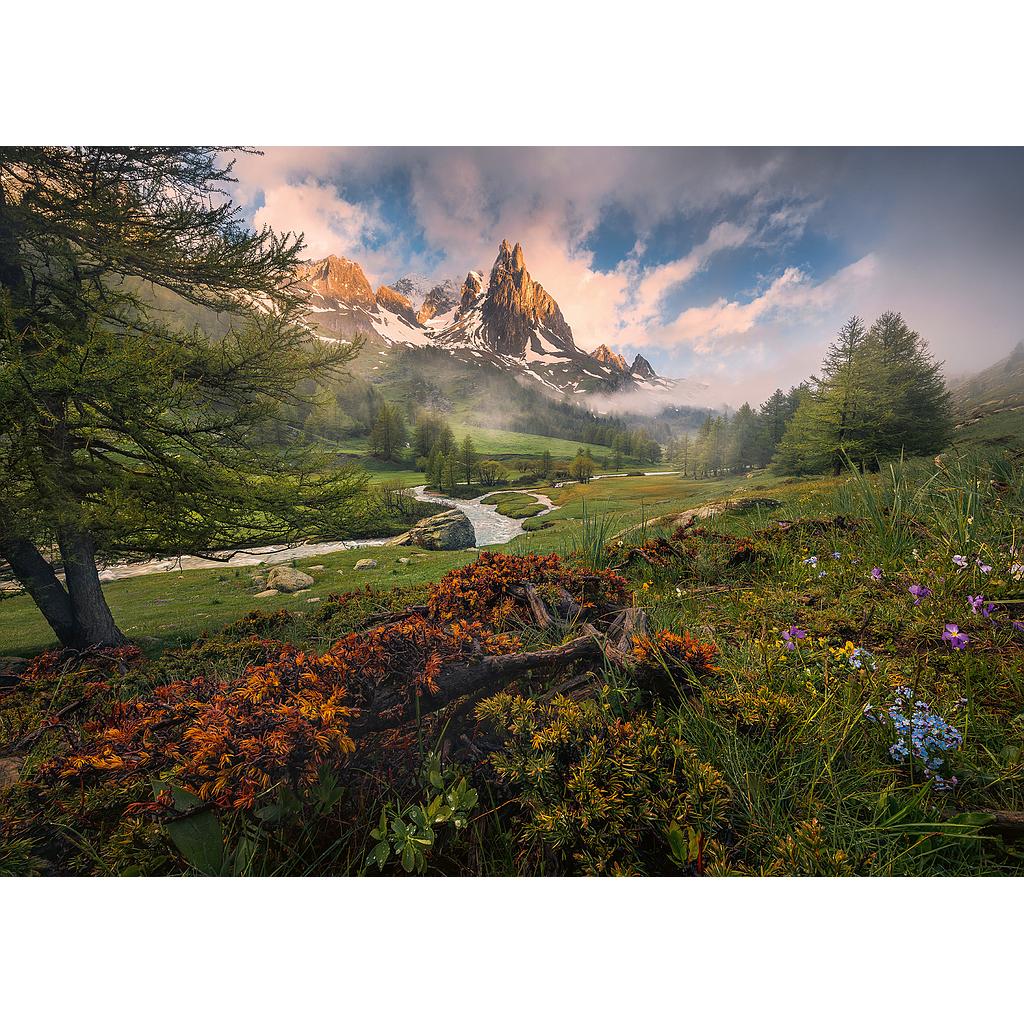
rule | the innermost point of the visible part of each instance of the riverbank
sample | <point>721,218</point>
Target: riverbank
<point>177,603</point>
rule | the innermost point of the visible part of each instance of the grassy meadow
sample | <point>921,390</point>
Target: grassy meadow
<point>831,686</point>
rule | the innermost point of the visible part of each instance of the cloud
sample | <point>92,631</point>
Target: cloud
<point>654,283</point>
<point>934,233</point>
<point>724,323</point>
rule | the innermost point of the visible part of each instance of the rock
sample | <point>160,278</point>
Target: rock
<point>607,357</point>
<point>395,302</point>
<point>312,600</point>
<point>314,568</point>
<point>10,772</point>
<point>268,593</point>
<point>366,563</point>
<point>404,561</point>
<point>289,580</point>
<point>440,299</point>
<point>641,368</point>
<point>337,278</point>
<point>447,531</point>
<point>10,587</point>
<point>516,304</point>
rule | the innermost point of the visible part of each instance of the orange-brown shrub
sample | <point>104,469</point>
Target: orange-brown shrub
<point>482,589</point>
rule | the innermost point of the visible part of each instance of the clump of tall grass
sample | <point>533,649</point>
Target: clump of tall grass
<point>892,504</point>
<point>589,540</point>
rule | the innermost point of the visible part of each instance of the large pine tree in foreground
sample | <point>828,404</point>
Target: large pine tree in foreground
<point>122,432</point>
<point>879,395</point>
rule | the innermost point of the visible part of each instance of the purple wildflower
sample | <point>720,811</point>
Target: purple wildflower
<point>975,601</point>
<point>960,561</point>
<point>876,573</point>
<point>919,592</point>
<point>836,554</point>
<point>812,560</point>
<point>989,608</point>
<point>952,635</point>
<point>791,635</point>
<point>982,567</point>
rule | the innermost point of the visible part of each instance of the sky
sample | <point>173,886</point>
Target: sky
<point>731,267</point>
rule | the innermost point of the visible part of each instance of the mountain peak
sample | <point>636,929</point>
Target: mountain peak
<point>334,277</point>
<point>516,307</point>
<point>642,368</point>
<point>396,302</point>
<point>604,355</point>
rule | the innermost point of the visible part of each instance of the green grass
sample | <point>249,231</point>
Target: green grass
<point>769,765</point>
<point>490,441</point>
<point>176,607</point>
<point>172,608</point>
<point>1000,430</point>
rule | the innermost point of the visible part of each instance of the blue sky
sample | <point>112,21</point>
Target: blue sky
<point>734,267</point>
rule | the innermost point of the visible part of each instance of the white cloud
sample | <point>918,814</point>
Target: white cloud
<point>792,295</point>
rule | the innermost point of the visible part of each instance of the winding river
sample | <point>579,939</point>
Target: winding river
<point>489,525</point>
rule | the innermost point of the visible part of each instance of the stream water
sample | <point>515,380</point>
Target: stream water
<point>489,525</point>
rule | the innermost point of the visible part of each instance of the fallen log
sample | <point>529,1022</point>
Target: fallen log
<point>539,610</point>
<point>389,707</point>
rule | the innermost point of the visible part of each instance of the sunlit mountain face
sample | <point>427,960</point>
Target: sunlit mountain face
<point>729,267</point>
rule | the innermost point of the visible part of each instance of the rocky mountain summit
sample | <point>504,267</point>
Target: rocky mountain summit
<point>604,355</point>
<point>337,278</point>
<point>505,319</point>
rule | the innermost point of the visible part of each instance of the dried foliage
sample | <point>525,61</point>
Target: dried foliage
<point>488,588</point>
<point>232,742</point>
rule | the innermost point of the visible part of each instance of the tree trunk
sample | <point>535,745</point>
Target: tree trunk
<point>93,621</point>
<point>36,575</point>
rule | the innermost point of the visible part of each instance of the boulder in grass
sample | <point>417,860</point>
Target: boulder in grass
<point>268,593</point>
<point>366,563</point>
<point>447,531</point>
<point>288,580</point>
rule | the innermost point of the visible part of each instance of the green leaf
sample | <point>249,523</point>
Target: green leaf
<point>197,835</point>
<point>379,854</point>
<point>679,847</point>
<point>409,858</point>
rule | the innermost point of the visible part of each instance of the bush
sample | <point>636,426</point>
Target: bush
<point>601,793</point>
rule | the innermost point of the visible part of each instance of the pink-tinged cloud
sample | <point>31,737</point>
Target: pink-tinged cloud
<point>655,283</point>
<point>722,324</point>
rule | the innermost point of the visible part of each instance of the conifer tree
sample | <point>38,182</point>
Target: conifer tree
<point>122,434</point>
<point>389,435</point>
<point>468,459</point>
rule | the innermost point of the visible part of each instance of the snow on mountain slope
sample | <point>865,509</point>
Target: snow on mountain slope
<point>505,319</point>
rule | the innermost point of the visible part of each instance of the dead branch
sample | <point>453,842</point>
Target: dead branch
<point>538,608</point>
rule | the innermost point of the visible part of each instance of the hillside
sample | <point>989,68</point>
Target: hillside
<point>997,389</point>
<point>703,696</point>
